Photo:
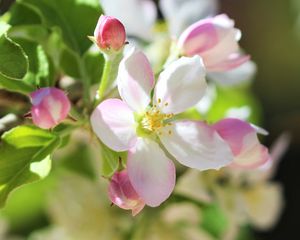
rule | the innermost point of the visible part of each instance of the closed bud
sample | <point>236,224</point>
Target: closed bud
<point>122,194</point>
<point>50,106</point>
<point>109,34</point>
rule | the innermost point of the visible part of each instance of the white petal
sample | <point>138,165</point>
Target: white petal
<point>260,130</point>
<point>135,80</point>
<point>113,122</point>
<point>181,85</point>
<point>151,173</point>
<point>196,145</point>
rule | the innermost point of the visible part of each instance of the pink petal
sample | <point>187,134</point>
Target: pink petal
<point>231,63</point>
<point>204,35</point>
<point>241,136</point>
<point>122,194</point>
<point>41,117</point>
<point>181,85</point>
<point>150,172</point>
<point>196,145</point>
<point>221,51</point>
<point>198,38</point>
<point>135,80</point>
<point>114,124</point>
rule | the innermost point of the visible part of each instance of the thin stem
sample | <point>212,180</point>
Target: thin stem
<point>105,77</point>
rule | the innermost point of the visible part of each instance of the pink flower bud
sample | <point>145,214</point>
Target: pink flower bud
<point>216,41</point>
<point>50,106</point>
<point>122,193</point>
<point>242,139</point>
<point>109,33</point>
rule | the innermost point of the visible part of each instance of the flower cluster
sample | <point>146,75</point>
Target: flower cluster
<point>146,120</point>
<point>155,99</point>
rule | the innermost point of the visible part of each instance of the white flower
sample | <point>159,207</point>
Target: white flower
<point>139,123</point>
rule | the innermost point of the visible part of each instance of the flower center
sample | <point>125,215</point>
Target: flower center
<point>154,119</point>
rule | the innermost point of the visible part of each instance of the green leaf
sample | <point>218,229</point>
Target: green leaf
<point>76,18</point>
<point>214,220</point>
<point>34,195</point>
<point>36,32</point>
<point>24,157</point>
<point>22,13</point>
<point>69,63</point>
<point>13,60</point>
<point>111,160</point>
<point>15,85</point>
<point>40,72</point>
<point>4,27</point>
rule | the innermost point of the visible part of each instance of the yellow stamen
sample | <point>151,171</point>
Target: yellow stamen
<point>154,119</point>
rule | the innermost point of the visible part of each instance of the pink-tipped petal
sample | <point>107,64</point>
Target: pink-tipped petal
<point>221,51</point>
<point>122,194</point>
<point>150,172</point>
<point>239,75</point>
<point>135,80</point>
<point>245,146</point>
<point>114,124</point>
<point>50,106</point>
<point>181,85</point>
<point>231,63</point>
<point>198,38</point>
<point>196,145</point>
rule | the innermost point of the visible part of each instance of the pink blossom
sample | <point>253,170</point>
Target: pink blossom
<point>139,123</point>
<point>123,194</point>
<point>242,139</point>
<point>109,33</point>
<point>216,41</point>
<point>50,106</point>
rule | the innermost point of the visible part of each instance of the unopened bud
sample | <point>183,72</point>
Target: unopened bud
<point>122,194</point>
<point>50,106</point>
<point>109,34</point>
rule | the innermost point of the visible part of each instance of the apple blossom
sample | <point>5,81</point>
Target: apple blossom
<point>245,146</point>
<point>50,106</point>
<point>216,41</point>
<point>109,34</point>
<point>123,194</point>
<point>139,123</point>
